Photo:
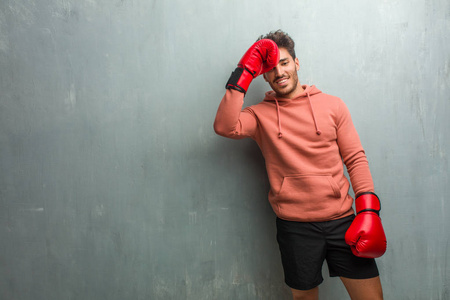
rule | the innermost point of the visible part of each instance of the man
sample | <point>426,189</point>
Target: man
<point>305,137</point>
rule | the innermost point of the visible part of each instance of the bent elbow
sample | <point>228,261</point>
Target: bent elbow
<point>226,131</point>
<point>220,130</point>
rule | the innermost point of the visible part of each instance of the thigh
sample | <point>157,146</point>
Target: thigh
<point>363,289</point>
<point>302,248</point>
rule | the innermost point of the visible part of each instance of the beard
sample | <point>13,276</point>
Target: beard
<point>286,90</point>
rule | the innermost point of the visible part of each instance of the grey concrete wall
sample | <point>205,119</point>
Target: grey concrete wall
<point>113,184</point>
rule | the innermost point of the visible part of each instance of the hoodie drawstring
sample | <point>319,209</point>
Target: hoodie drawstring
<point>318,132</point>
<point>280,134</point>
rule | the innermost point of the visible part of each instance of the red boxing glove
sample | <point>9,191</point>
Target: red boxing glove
<point>261,57</point>
<point>366,235</point>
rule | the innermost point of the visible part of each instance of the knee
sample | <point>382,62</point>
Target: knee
<point>312,294</point>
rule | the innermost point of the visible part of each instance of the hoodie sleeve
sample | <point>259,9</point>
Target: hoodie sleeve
<point>353,153</point>
<point>231,121</point>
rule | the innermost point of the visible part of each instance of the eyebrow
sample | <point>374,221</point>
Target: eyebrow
<point>284,59</point>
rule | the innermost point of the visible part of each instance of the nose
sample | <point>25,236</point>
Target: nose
<point>277,70</point>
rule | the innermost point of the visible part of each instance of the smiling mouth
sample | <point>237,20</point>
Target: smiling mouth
<point>283,81</point>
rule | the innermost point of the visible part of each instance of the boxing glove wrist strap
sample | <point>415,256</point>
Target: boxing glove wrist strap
<point>367,201</point>
<point>368,209</point>
<point>240,80</point>
<point>234,80</point>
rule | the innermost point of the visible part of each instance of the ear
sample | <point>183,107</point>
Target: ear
<point>297,64</point>
<point>264,76</point>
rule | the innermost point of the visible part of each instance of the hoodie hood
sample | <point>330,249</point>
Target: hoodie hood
<point>308,91</point>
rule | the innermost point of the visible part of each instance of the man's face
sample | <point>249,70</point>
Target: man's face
<point>283,78</point>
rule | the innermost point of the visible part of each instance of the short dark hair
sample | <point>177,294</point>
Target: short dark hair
<point>282,39</point>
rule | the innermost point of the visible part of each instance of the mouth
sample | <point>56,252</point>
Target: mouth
<point>282,81</point>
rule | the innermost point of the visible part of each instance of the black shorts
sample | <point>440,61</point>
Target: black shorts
<point>304,247</point>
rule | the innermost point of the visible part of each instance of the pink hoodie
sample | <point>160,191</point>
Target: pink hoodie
<point>304,142</point>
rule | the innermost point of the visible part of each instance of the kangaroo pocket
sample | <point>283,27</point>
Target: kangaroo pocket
<point>300,194</point>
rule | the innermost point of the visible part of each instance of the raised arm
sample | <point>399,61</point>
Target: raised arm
<point>231,121</point>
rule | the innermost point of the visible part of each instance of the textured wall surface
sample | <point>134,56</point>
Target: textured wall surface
<point>113,184</point>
